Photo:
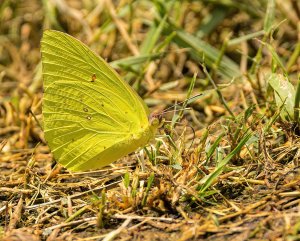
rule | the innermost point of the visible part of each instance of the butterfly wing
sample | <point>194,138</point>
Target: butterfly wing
<point>91,116</point>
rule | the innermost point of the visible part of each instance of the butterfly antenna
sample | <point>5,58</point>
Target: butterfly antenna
<point>189,100</point>
<point>164,112</point>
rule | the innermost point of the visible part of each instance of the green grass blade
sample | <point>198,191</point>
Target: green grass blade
<point>209,180</point>
<point>297,103</point>
<point>211,21</point>
<point>228,68</point>
<point>294,57</point>
<point>149,185</point>
<point>245,38</point>
<point>152,37</point>
<point>134,60</point>
<point>276,58</point>
<point>214,146</point>
<point>270,14</point>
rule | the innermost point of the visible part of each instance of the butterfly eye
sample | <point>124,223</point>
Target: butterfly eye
<point>154,121</point>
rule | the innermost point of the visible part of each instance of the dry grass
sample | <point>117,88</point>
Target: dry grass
<point>236,176</point>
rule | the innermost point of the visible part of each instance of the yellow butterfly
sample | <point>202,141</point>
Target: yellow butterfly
<point>91,116</point>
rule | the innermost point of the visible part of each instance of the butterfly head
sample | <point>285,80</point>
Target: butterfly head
<point>156,120</point>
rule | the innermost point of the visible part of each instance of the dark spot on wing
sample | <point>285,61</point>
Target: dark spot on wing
<point>93,78</point>
<point>85,109</point>
<point>89,117</point>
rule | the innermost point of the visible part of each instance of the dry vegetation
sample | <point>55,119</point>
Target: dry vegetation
<point>230,166</point>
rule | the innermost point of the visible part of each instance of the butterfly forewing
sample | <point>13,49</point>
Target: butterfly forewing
<point>90,115</point>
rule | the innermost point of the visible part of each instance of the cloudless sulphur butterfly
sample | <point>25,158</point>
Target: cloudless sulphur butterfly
<point>91,116</point>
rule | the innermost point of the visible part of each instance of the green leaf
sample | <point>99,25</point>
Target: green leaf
<point>284,95</point>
